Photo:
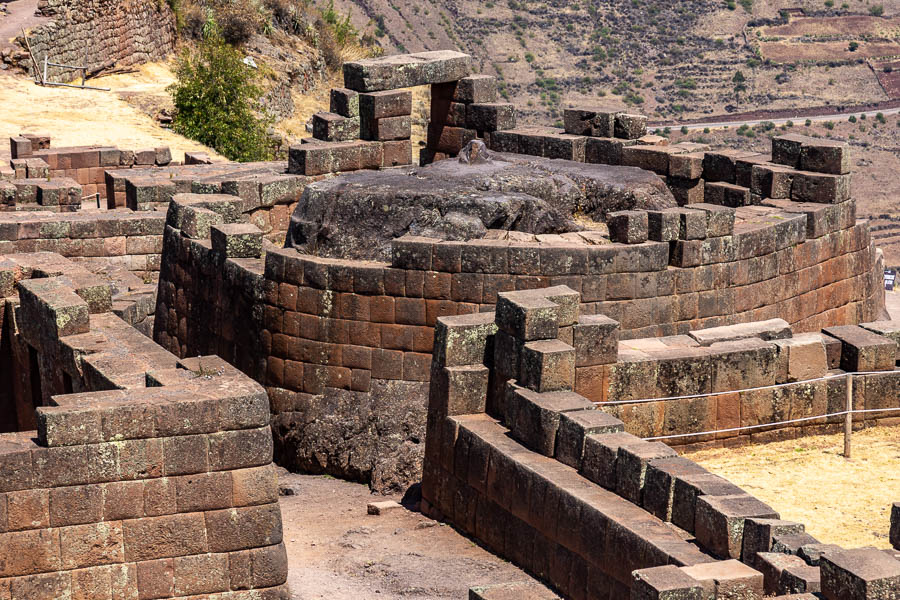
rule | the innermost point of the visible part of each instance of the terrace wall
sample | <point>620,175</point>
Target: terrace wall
<point>146,476</point>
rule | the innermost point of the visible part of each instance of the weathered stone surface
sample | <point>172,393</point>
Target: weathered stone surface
<point>720,520</point>
<point>665,583</point>
<point>728,579</point>
<point>346,216</point>
<point>863,350</point>
<point>406,70</point>
<point>861,574</point>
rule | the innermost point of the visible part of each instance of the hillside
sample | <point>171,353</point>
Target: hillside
<point>665,59</point>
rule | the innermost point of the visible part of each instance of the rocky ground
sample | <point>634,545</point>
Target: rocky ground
<point>338,552</point>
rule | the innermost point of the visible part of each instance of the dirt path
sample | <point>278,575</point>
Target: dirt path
<point>87,117</point>
<point>840,501</point>
<point>337,551</point>
<point>20,16</point>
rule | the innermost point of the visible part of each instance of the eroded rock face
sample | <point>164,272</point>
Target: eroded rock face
<point>358,214</point>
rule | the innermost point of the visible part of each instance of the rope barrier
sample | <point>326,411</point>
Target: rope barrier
<point>788,422</point>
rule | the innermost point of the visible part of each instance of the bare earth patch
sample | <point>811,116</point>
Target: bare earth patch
<point>337,551</point>
<point>88,117</point>
<point>841,501</point>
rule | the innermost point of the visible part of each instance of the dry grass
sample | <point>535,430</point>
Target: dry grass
<point>846,26</point>
<point>841,501</point>
<point>790,52</point>
<point>79,117</point>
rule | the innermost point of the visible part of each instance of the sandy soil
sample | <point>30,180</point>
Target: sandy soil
<point>841,501</point>
<point>337,551</point>
<point>86,117</point>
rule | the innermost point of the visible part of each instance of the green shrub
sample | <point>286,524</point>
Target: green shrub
<point>216,101</point>
<point>876,10</point>
<point>853,46</point>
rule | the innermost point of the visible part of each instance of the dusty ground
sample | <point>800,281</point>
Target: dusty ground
<point>841,501</point>
<point>81,117</point>
<point>337,551</point>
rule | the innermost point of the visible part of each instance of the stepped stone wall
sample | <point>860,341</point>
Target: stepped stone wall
<point>539,474</point>
<point>146,476</point>
<point>101,34</point>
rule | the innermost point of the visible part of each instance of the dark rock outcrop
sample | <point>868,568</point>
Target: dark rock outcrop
<point>358,214</point>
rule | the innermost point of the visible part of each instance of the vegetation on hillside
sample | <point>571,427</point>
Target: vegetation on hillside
<point>218,91</point>
<point>216,101</point>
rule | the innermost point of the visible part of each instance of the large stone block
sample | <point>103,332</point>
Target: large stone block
<point>476,89</point>
<point>691,486</point>
<point>659,483</point>
<point>628,226</point>
<point>800,358</point>
<point>534,417</point>
<point>861,574</point>
<point>787,574</point>
<point>463,340</point>
<point>631,467</point>
<point>548,366</point>
<point>719,524</point>
<point>596,341</point>
<point>630,127</point>
<point>601,452</point>
<point>406,70</point>
<point>760,533</point>
<point>332,127</point>
<point>491,117</point>
<point>863,350</point>
<point>575,426</point>
<point>665,583</point>
<point>590,122</point>
<point>528,315</point>
<point>728,579</point>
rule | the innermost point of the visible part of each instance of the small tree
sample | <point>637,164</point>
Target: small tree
<point>216,101</point>
<point>853,46</point>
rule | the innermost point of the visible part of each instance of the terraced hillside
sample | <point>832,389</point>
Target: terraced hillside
<point>667,59</point>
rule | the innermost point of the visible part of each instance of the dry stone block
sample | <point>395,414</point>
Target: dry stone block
<point>476,89</point>
<point>596,341</point>
<point>760,533</point>
<point>332,127</point>
<point>406,70</point>
<point>237,240</point>
<point>888,329</point>
<point>590,122</point>
<point>861,574</point>
<point>345,102</point>
<point>826,156</point>
<point>800,358</point>
<point>630,127</point>
<point>575,426</point>
<point>772,329</point>
<point>534,417</point>
<point>863,350</point>
<point>548,366</point>
<point>528,315</point>
<point>719,524</point>
<point>628,226</point>
<point>601,451</point>
<point>787,574</point>
<point>659,483</point>
<point>665,583</point>
<point>491,117</point>
<point>463,339</point>
<point>631,467</point>
<point>728,579</point>
<point>663,225</point>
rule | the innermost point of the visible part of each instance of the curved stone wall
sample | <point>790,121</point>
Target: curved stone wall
<point>346,344</point>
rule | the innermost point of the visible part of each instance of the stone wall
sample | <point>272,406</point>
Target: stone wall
<point>101,34</point>
<point>146,476</point>
<point>347,344</point>
<point>538,474</point>
<point>127,239</point>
